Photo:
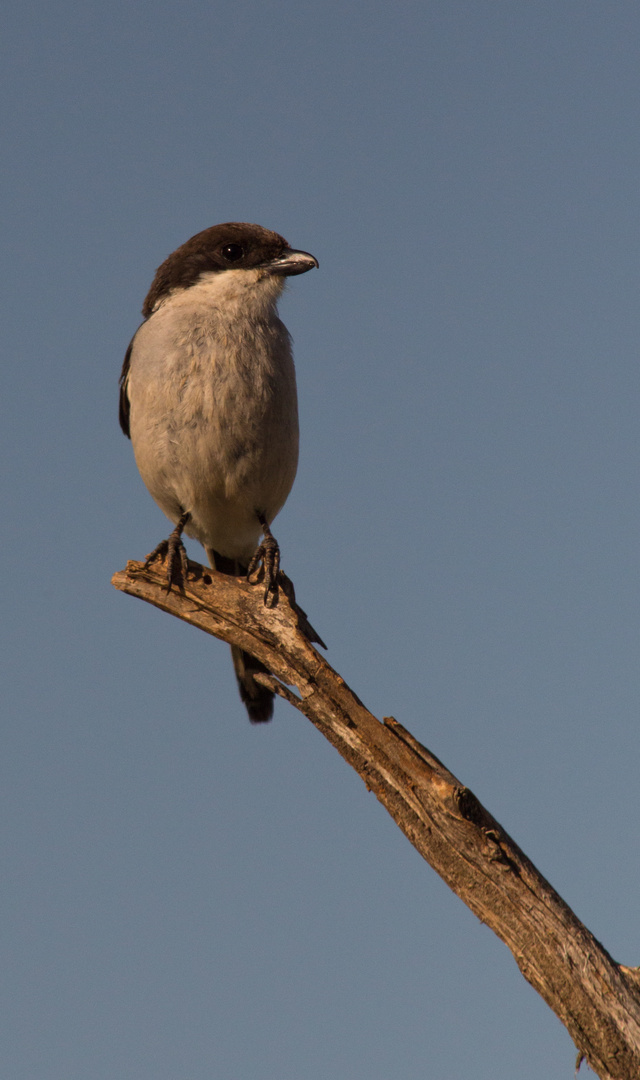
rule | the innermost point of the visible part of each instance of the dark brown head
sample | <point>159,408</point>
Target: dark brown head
<point>235,245</point>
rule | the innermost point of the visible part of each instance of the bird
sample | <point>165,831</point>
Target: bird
<point>208,398</point>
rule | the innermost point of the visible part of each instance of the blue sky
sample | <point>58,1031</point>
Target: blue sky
<point>187,897</point>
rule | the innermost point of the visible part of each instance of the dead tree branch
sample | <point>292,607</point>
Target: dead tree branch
<point>597,999</point>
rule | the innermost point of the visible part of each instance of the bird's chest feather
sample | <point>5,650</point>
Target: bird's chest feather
<point>218,391</point>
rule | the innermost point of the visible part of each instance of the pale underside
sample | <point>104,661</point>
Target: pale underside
<point>214,421</point>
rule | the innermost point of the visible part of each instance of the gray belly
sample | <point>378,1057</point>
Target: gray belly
<point>215,432</point>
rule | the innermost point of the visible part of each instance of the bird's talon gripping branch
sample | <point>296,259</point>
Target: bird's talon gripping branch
<point>267,553</point>
<point>176,556</point>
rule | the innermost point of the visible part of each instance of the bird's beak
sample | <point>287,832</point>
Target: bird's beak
<point>291,262</point>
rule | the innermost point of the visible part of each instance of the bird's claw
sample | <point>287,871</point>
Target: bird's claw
<point>267,553</point>
<point>174,553</point>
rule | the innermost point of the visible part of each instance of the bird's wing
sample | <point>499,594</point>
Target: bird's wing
<point>125,405</point>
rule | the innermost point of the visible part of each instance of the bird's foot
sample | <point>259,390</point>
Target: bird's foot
<point>173,551</point>
<point>267,553</point>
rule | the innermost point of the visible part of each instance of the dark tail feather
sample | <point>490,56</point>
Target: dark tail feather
<point>257,699</point>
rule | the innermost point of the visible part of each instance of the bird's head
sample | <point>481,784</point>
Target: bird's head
<point>249,252</point>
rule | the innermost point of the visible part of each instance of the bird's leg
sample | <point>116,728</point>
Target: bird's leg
<point>174,549</point>
<point>267,553</point>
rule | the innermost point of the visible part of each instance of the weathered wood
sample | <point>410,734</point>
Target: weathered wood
<point>597,999</point>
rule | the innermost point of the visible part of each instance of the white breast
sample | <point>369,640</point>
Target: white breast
<point>214,421</point>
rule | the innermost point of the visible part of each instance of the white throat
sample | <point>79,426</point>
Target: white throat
<point>232,293</point>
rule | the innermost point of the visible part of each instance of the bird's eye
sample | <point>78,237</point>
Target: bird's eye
<point>232,252</point>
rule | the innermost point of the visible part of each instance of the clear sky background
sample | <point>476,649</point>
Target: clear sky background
<point>186,897</point>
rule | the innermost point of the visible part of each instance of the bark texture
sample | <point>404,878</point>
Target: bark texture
<point>597,999</point>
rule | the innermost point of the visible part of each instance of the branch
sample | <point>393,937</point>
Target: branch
<point>596,999</point>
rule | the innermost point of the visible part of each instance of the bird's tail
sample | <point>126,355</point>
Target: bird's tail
<point>257,699</point>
